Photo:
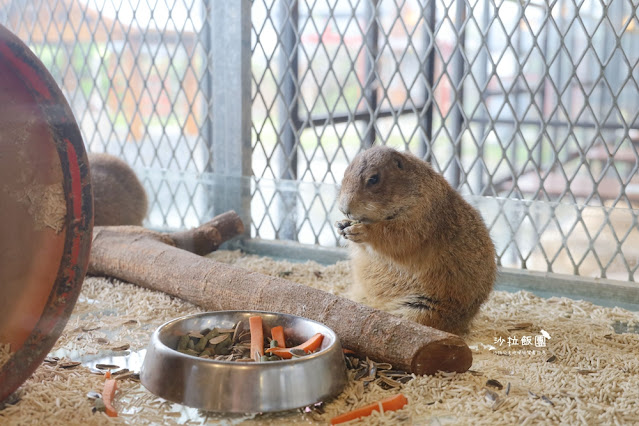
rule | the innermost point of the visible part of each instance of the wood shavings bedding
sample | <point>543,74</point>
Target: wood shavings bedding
<point>5,353</point>
<point>585,373</point>
<point>109,314</point>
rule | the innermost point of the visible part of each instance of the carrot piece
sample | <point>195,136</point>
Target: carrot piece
<point>277,333</point>
<point>309,346</point>
<point>257,337</point>
<point>107,375</point>
<point>108,394</point>
<point>389,404</point>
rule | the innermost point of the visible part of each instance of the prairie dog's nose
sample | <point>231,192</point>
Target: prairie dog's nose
<point>344,205</point>
<point>344,209</point>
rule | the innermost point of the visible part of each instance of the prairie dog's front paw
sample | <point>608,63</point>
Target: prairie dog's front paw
<point>355,232</point>
<point>343,224</point>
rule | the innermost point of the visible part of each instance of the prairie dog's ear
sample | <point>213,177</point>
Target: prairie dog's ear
<point>398,159</point>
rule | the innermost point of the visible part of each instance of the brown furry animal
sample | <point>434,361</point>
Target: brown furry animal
<point>118,196</point>
<point>418,249</point>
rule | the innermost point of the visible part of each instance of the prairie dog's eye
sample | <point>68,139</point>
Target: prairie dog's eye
<point>373,180</point>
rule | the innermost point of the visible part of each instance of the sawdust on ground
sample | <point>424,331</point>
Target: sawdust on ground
<point>577,370</point>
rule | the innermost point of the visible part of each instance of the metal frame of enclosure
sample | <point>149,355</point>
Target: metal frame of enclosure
<point>529,108</point>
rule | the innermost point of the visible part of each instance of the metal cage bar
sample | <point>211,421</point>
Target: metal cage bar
<point>231,65</point>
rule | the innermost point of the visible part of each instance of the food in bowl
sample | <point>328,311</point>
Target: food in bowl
<point>245,344</point>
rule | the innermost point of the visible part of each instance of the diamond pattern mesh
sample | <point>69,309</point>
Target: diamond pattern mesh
<point>530,102</point>
<point>526,101</point>
<point>132,73</point>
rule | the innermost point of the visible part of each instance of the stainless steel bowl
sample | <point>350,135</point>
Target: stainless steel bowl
<point>240,387</point>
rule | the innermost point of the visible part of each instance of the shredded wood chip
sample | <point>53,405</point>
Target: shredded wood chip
<point>593,377</point>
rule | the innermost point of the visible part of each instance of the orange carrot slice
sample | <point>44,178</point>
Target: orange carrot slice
<point>309,346</point>
<point>257,338</point>
<point>277,333</point>
<point>108,394</point>
<point>389,404</point>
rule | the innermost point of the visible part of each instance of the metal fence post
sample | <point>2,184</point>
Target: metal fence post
<point>370,87</point>
<point>455,171</point>
<point>429,13</point>
<point>477,178</point>
<point>289,122</point>
<point>230,105</point>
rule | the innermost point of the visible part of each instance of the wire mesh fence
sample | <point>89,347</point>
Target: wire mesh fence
<point>522,100</point>
<point>531,102</point>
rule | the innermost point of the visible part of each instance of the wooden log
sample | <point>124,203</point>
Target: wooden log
<point>208,237</point>
<point>202,240</point>
<point>142,257</point>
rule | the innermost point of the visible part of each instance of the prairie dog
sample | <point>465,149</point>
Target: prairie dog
<point>418,249</point>
<point>118,196</point>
